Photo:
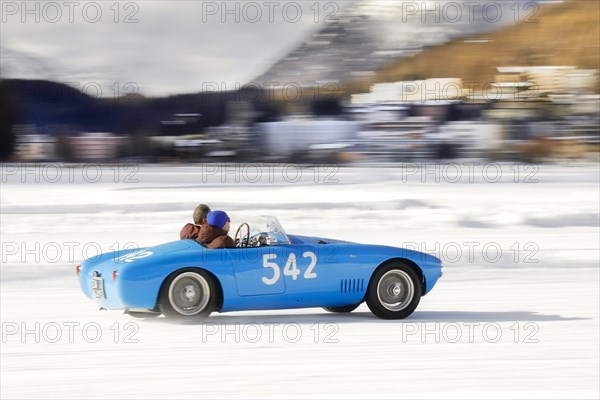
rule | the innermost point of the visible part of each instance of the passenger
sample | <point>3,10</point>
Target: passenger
<point>191,231</point>
<point>214,234</point>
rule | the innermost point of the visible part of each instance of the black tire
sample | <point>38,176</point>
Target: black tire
<point>142,314</point>
<point>392,282</point>
<point>342,309</point>
<point>178,295</point>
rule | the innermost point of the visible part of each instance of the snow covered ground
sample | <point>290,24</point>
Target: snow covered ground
<point>516,313</point>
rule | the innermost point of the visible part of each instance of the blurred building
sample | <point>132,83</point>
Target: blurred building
<point>98,146</point>
<point>546,112</point>
<point>32,147</point>
<point>550,79</point>
<point>297,137</point>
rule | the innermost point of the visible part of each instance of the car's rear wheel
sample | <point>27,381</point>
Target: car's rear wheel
<point>394,291</point>
<point>342,309</point>
<point>190,293</point>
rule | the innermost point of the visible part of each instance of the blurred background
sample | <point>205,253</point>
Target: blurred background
<point>362,81</point>
<point>169,94</point>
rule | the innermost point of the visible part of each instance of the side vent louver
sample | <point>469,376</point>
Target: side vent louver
<point>352,285</point>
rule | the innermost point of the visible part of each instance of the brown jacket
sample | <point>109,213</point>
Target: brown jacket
<point>190,231</point>
<point>214,238</point>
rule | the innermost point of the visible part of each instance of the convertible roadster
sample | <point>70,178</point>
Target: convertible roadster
<point>267,270</point>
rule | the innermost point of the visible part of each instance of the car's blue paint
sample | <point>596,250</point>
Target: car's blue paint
<point>343,270</point>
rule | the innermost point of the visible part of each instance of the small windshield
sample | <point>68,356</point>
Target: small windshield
<point>268,227</point>
<point>275,229</point>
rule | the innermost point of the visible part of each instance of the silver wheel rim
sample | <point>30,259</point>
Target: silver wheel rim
<point>395,290</point>
<point>189,293</point>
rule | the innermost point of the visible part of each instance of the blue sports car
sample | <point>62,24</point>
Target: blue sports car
<point>268,269</point>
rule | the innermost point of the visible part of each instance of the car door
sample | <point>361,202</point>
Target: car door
<point>260,270</point>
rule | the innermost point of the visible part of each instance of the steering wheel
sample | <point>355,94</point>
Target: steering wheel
<point>242,239</point>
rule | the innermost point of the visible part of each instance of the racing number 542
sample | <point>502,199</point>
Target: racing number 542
<point>290,268</point>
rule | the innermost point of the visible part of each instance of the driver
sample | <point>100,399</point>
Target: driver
<point>191,231</point>
<point>214,233</point>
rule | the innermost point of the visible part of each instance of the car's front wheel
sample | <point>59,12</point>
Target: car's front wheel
<point>394,291</point>
<point>188,294</point>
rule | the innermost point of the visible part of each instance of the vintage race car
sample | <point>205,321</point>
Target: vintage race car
<point>268,270</point>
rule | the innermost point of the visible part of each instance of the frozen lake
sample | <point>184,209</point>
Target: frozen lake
<point>516,313</point>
